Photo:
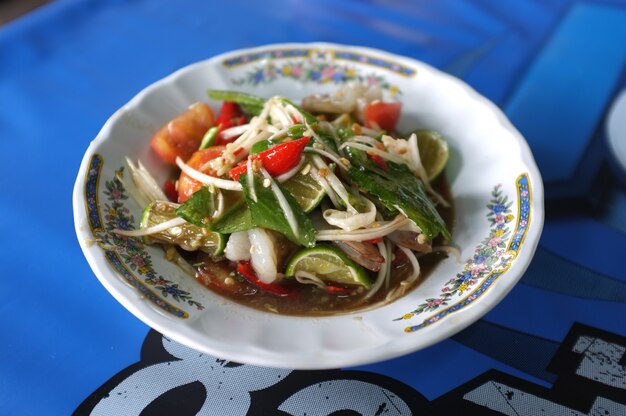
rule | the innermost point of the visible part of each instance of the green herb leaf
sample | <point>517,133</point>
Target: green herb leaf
<point>325,136</point>
<point>251,104</point>
<point>266,211</point>
<point>399,189</point>
<point>237,219</point>
<point>259,147</point>
<point>358,157</point>
<point>345,133</point>
<point>199,208</point>
<point>296,131</point>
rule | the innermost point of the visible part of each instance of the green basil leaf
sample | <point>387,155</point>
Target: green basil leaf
<point>237,219</point>
<point>198,209</point>
<point>296,131</point>
<point>399,189</point>
<point>251,104</point>
<point>266,212</point>
<point>259,147</point>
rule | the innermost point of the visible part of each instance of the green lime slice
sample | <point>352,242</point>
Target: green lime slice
<point>329,264</point>
<point>188,236</point>
<point>434,151</point>
<point>307,192</point>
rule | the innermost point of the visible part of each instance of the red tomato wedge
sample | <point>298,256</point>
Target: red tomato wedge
<point>230,115</point>
<point>245,269</point>
<point>381,114</point>
<point>277,160</point>
<point>182,136</point>
<point>186,185</point>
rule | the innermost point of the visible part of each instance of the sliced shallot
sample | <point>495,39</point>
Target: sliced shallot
<point>366,254</point>
<point>411,240</point>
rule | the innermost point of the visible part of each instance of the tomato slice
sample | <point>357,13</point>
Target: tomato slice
<point>182,135</point>
<point>384,115</point>
<point>276,160</point>
<point>186,185</point>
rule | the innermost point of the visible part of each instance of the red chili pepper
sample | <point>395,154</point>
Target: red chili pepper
<point>277,160</point>
<point>169,188</point>
<point>379,161</point>
<point>238,170</point>
<point>374,240</point>
<point>245,269</point>
<point>337,290</point>
<point>230,116</point>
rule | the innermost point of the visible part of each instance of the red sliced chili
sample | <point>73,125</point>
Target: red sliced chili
<point>230,116</point>
<point>379,161</point>
<point>337,290</point>
<point>169,188</point>
<point>276,160</point>
<point>244,268</point>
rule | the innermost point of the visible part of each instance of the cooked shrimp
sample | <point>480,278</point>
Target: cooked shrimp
<point>263,254</point>
<point>238,247</point>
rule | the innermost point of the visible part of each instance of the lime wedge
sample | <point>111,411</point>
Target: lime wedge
<point>433,151</point>
<point>188,236</point>
<point>329,264</point>
<point>307,192</point>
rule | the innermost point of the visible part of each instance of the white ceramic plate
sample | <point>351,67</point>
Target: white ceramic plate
<point>496,186</point>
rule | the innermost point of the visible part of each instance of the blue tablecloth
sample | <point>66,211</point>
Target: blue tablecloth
<point>555,345</point>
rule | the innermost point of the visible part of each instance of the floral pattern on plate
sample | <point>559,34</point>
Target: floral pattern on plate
<point>315,72</point>
<point>325,54</point>
<point>127,254</point>
<point>490,260</point>
<point>318,67</point>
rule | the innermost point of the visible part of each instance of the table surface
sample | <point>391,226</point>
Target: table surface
<point>553,66</point>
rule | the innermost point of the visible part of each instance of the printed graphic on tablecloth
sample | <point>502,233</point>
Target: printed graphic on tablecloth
<point>590,366</point>
<point>173,379</point>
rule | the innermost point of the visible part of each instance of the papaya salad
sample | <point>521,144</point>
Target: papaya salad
<point>303,209</point>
